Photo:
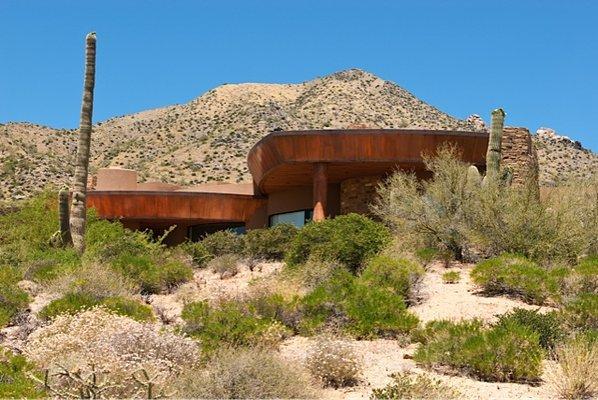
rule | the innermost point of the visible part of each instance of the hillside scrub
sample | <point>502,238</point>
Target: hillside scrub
<point>409,386</point>
<point>449,213</point>
<point>334,363</point>
<point>548,326</point>
<point>399,275</point>
<point>12,299</point>
<point>349,239</point>
<point>15,379</point>
<point>504,353</point>
<point>270,243</point>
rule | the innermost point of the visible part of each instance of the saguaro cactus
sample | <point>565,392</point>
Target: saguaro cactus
<point>63,213</point>
<point>78,209</point>
<point>493,155</point>
<point>474,178</point>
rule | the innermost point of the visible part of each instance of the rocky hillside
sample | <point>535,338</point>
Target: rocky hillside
<point>209,137</point>
<point>561,158</point>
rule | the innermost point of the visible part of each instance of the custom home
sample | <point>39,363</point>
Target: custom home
<point>298,176</point>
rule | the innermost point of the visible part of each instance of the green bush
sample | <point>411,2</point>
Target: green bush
<point>584,278</point>
<point>426,255</point>
<point>130,308</point>
<point>406,386</point>
<point>399,275</point>
<point>547,326</point>
<point>153,276</point>
<point>12,298</point>
<point>350,239</point>
<point>451,277</point>
<point>516,275</point>
<point>230,323</point>
<point>72,303</point>
<point>224,242</point>
<point>269,244</point>
<point>582,312</point>
<point>15,379</point>
<point>503,353</point>
<point>226,265</point>
<point>198,253</point>
<point>344,303</point>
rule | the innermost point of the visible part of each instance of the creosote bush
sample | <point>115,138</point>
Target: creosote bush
<point>198,253</point>
<point>516,275</point>
<point>581,313</point>
<point>245,373</point>
<point>401,276</point>
<point>349,239</point>
<point>269,244</point>
<point>223,242</point>
<point>414,387</point>
<point>547,325</point>
<point>334,363</point>
<point>505,353</point>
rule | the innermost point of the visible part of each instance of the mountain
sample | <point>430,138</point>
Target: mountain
<point>208,138</point>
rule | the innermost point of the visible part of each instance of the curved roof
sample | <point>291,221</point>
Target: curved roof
<point>284,159</point>
<point>160,205</point>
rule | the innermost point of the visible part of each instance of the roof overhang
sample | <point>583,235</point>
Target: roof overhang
<point>285,159</point>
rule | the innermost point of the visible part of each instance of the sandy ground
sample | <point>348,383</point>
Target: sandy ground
<point>460,300</point>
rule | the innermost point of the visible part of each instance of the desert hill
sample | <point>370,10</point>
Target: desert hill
<point>208,138</point>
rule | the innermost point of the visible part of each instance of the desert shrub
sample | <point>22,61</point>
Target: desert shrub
<point>245,373</point>
<point>316,271</point>
<point>96,279</point>
<point>153,276</point>
<point>229,323</point>
<point>516,275</point>
<point>48,264</point>
<point>72,303</point>
<point>414,387</point>
<point>434,209</point>
<point>349,239</point>
<point>451,277</point>
<point>583,278</point>
<point>15,379</point>
<point>274,307</point>
<point>112,343</point>
<point>269,244</point>
<point>547,325</point>
<point>399,275</point>
<point>344,303</point>
<point>581,313</point>
<point>130,308</point>
<point>12,298</point>
<point>223,242</point>
<point>576,371</point>
<point>226,265</point>
<point>198,253</point>
<point>334,363</point>
<point>426,255</point>
<point>503,353</point>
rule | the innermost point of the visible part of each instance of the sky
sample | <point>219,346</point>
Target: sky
<point>536,59</point>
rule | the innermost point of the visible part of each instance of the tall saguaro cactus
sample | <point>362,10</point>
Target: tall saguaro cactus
<point>79,209</point>
<point>493,155</point>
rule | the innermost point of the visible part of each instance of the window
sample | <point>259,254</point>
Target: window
<point>297,218</point>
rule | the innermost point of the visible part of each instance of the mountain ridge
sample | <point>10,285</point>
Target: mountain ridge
<point>208,138</point>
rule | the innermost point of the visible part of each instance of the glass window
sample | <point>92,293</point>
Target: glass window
<point>297,218</point>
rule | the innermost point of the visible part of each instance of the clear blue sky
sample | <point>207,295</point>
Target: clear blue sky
<point>537,59</point>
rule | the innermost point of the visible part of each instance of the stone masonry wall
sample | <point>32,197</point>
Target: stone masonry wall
<point>357,193</point>
<point>519,154</point>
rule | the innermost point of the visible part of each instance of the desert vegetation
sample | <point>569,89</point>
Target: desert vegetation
<point>285,312</point>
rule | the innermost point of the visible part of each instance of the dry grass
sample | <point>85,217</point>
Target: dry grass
<point>245,373</point>
<point>576,374</point>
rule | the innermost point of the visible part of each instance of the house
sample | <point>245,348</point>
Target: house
<point>298,176</point>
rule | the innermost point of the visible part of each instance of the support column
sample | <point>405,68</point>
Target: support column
<point>320,191</point>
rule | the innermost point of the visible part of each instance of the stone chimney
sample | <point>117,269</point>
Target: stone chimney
<point>519,155</point>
